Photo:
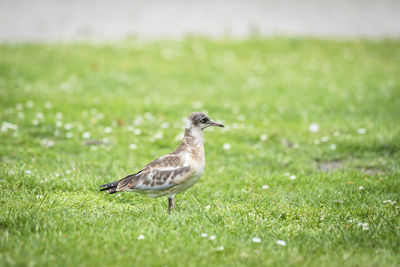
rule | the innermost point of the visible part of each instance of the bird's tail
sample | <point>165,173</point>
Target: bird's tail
<point>111,187</point>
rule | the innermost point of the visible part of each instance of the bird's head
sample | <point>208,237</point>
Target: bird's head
<point>201,120</point>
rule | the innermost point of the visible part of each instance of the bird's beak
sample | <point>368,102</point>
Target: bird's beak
<point>213,123</point>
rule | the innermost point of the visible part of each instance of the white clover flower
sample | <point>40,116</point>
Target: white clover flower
<point>69,135</point>
<point>364,226</point>
<point>263,137</point>
<point>208,207</point>
<point>59,116</point>
<point>361,188</point>
<point>47,143</point>
<point>5,126</point>
<point>220,248</point>
<point>21,115</point>
<point>265,186</point>
<point>67,126</point>
<point>140,237</point>
<point>336,133</point>
<point>158,135</point>
<point>137,131</point>
<point>164,125</point>
<point>86,135</point>
<point>325,139</point>
<point>179,137</point>
<point>29,104</point>
<point>256,240</point>
<point>39,116</point>
<point>212,237</point>
<point>108,130</point>
<point>48,105</point>
<point>226,146</point>
<point>19,106</point>
<point>132,146</point>
<point>281,242</point>
<point>292,177</point>
<point>333,146</point>
<point>314,127</point>
<point>204,235</point>
<point>361,131</point>
<point>35,122</point>
<point>197,105</point>
<point>28,172</point>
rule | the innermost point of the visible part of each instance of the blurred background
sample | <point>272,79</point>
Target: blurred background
<point>49,20</point>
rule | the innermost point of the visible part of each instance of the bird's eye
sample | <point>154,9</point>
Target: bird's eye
<point>203,120</point>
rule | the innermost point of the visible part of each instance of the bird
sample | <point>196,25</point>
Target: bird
<point>173,173</point>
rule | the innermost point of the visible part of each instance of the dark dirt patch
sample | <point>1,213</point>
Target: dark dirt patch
<point>330,166</point>
<point>370,170</point>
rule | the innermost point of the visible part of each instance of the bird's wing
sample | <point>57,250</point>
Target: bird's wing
<point>158,175</point>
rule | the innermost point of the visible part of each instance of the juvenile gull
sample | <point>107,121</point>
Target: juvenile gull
<point>174,172</point>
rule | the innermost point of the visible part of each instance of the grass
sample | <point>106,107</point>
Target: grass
<point>266,91</point>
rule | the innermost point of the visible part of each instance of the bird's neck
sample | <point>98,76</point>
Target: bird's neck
<point>193,137</point>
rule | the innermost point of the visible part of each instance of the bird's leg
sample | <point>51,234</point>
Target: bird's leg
<point>171,204</point>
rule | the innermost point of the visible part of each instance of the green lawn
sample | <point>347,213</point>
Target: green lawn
<point>74,116</point>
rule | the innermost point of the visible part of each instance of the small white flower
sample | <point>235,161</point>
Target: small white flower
<point>389,201</point>
<point>208,207</point>
<point>132,146</point>
<point>48,105</point>
<point>204,235</point>
<point>212,237</point>
<point>314,127</point>
<point>361,131</point>
<point>265,186</point>
<point>178,137</point>
<point>336,133</point>
<point>292,177</point>
<point>21,115</point>
<point>164,125</point>
<point>197,105</point>
<point>137,131</point>
<point>364,226</point>
<point>108,130</point>
<point>67,126</point>
<point>59,116</point>
<point>226,146</point>
<point>5,126</point>
<point>241,117</point>
<point>28,172</point>
<point>69,135</point>
<point>47,143</point>
<point>19,106</point>
<point>325,139</point>
<point>86,135</point>
<point>263,137</point>
<point>333,146</point>
<point>39,116</point>
<point>220,248</point>
<point>35,122</point>
<point>29,104</point>
<point>281,242</point>
<point>140,237</point>
<point>361,188</point>
<point>59,124</point>
<point>256,239</point>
